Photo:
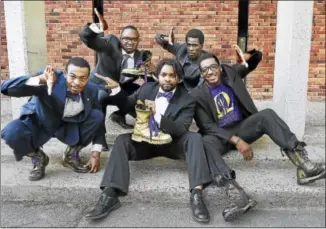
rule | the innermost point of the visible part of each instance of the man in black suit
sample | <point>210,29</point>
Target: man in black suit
<point>228,118</point>
<point>173,111</point>
<point>187,53</point>
<point>114,54</point>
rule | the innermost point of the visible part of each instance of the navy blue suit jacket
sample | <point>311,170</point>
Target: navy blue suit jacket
<point>48,110</point>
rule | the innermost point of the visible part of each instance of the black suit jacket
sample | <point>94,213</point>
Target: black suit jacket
<point>109,53</point>
<point>206,113</point>
<point>181,53</point>
<point>179,113</point>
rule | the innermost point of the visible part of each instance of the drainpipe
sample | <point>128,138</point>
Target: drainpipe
<point>98,4</point>
<point>243,16</point>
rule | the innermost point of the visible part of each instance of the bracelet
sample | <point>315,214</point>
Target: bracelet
<point>238,141</point>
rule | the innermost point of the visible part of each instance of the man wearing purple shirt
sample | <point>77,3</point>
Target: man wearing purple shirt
<point>228,119</point>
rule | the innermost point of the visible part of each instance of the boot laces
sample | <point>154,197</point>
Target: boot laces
<point>75,155</point>
<point>36,160</point>
<point>302,151</point>
<point>153,127</point>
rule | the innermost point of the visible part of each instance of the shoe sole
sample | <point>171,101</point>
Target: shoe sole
<point>231,216</point>
<point>308,180</point>
<point>137,138</point>
<point>46,164</point>
<point>71,167</point>
<point>114,207</point>
<point>200,220</point>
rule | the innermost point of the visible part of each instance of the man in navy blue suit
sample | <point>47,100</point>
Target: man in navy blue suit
<point>64,105</point>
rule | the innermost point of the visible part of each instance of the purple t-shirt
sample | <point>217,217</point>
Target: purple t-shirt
<point>226,105</point>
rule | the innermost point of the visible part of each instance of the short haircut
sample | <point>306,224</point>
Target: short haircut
<point>196,33</point>
<point>129,27</point>
<point>172,62</point>
<point>206,56</point>
<point>79,62</point>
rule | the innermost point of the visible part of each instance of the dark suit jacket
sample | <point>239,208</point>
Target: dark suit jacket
<point>109,53</point>
<point>181,53</point>
<point>179,113</point>
<point>48,110</point>
<point>206,112</point>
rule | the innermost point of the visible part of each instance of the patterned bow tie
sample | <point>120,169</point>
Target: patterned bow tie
<point>73,97</point>
<point>167,95</point>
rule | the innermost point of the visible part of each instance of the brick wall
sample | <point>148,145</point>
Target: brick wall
<point>316,84</point>
<point>217,19</point>
<point>4,55</point>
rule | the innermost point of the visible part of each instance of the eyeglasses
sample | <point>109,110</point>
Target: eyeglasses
<point>213,67</point>
<point>130,39</point>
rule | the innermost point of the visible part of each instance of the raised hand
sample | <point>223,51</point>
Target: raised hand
<point>48,77</point>
<point>171,36</point>
<point>110,83</point>
<point>240,56</point>
<point>103,24</point>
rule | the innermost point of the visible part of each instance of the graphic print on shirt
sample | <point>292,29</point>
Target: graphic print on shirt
<point>226,105</point>
<point>223,103</point>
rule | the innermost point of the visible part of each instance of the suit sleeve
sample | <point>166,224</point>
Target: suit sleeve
<point>181,124</point>
<point>256,57</point>
<point>94,40</point>
<point>207,126</point>
<point>170,48</point>
<point>16,87</point>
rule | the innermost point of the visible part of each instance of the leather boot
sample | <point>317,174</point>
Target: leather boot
<point>70,158</point>
<point>140,69</point>
<point>143,131</point>
<point>239,202</point>
<point>40,160</point>
<point>307,171</point>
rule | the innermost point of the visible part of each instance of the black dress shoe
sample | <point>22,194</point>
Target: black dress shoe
<point>103,207</point>
<point>199,211</point>
<point>120,120</point>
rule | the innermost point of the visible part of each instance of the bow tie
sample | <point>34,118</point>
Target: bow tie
<point>73,97</point>
<point>167,95</point>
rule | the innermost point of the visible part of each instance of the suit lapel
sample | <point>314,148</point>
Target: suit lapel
<point>86,97</point>
<point>136,57</point>
<point>174,103</point>
<point>59,92</point>
<point>204,97</point>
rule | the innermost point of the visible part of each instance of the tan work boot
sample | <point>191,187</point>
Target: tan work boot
<point>143,131</point>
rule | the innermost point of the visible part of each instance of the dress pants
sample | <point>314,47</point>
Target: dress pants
<point>251,129</point>
<point>189,146</point>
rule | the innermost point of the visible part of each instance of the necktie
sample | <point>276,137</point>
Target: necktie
<point>73,97</point>
<point>167,95</point>
<point>124,65</point>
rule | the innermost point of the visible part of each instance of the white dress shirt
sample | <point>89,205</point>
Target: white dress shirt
<point>161,105</point>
